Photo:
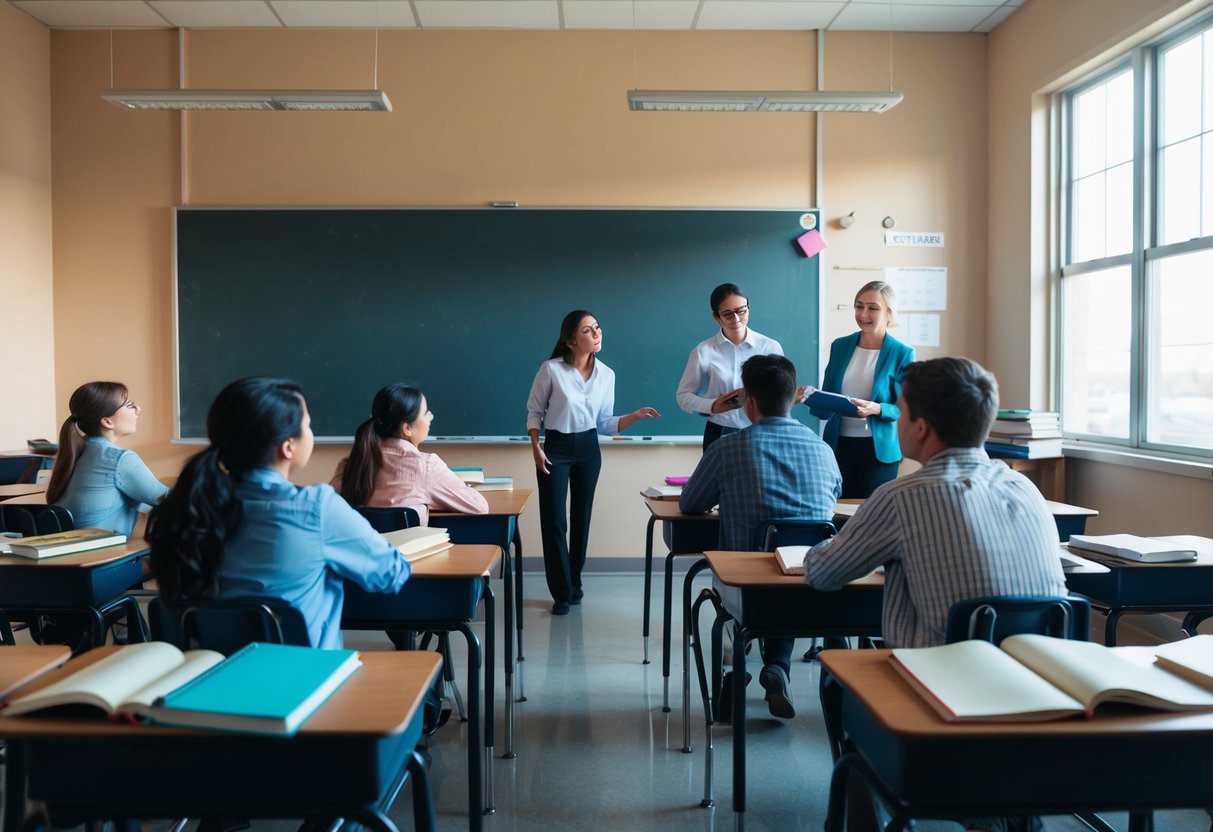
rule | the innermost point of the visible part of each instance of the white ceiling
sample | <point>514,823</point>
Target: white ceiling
<point>795,15</point>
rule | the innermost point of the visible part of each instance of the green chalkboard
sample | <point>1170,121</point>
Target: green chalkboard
<point>466,303</point>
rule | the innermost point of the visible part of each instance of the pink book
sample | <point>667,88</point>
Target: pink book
<point>676,480</point>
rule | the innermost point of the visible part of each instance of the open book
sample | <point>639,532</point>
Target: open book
<point>128,682</point>
<point>1033,678</point>
<point>662,492</point>
<point>419,542</point>
<point>1132,547</point>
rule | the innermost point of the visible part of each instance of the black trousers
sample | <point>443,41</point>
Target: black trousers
<point>862,473</point>
<point>713,431</point>
<point>574,460</point>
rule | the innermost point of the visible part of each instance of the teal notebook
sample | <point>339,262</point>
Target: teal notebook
<point>262,689</point>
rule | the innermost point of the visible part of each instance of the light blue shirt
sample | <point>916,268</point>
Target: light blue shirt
<point>714,368</point>
<point>563,401</point>
<point>108,486</point>
<point>298,543</point>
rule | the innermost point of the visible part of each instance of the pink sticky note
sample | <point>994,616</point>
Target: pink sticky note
<point>811,242</point>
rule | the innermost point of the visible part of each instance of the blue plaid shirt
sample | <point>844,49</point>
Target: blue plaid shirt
<point>775,468</point>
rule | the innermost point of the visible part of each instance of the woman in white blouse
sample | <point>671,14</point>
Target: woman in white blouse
<point>573,399</point>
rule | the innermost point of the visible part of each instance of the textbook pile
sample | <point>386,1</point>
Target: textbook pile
<point>1025,434</point>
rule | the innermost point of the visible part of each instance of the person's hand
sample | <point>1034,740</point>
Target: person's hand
<point>803,393</point>
<point>646,413</point>
<point>541,459</point>
<point>867,408</point>
<point>728,401</point>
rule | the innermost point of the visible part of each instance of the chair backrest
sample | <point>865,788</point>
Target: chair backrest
<point>20,469</point>
<point>30,519</point>
<point>792,531</point>
<point>392,518</point>
<point>994,617</point>
<point>226,626</point>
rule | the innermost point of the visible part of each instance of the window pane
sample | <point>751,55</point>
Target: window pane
<point>1120,119</point>
<point>1181,351</point>
<point>1090,131</point>
<point>1208,85</point>
<point>1179,200</point>
<point>1181,91</point>
<point>1207,176</point>
<point>1120,210</point>
<point>1095,354</point>
<point>1090,222</point>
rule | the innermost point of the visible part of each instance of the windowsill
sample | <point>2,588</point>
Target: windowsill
<point>1138,458</point>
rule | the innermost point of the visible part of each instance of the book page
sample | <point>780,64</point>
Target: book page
<point>1092,674</point>
<point>196,661</point>
<point>1191,658</point>
<point>108,682</point>
<point>791,559</point>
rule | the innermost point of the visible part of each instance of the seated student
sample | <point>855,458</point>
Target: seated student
<point>776,467</point>
<point>386,468</point>
<point>235,526</point>
<point>101,484</point>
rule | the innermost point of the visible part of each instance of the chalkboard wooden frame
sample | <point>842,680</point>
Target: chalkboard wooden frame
<point>466,303</point>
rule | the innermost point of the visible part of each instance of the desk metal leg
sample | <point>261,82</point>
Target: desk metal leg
<point>423,797</point>
<point>511,609</point>
<point>740,637</point>
<point>666,626</point>
<point>1109,627</point>
<point>648,583</point>
<point>687,582</point>
<point>518,607</point>
<point>14,785</point>
<point>475,776</point>
<point>490,682</point>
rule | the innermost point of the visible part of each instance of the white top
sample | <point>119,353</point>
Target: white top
<point>563,401</point>
<point>714,368</point>
<point>857,383</point>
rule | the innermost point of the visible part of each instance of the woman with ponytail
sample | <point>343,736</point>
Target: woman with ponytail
<point>386,467</point>
<point>235,526</point>
<point>100,483</point>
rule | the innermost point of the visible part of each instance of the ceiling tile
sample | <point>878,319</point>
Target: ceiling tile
<point>886,3</point>
<point>905,18</point>
<point>363,14</point>
<point>996,17</point>
<point>488,14</point>
<point>88,13</point>
<point>215,14</point>
<point>617,14</point>
<point>767,14</point>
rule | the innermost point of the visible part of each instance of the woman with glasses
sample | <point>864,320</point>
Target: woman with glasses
<point>711,382</point>
<point>866,366</point>
<point>101,484</point>
<point>573,400</point>
<point>387,468</point>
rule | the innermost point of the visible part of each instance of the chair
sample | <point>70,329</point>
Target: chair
<point>994,617</point>
<point>20,469</point>
<point>390,518</point>
<point>792,531</point>
<point>30,520</point>
<point>228,625</point>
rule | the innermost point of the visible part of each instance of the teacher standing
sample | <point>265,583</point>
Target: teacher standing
<point>866,367</point>
<point>573,399</point>
<point>711,382</point>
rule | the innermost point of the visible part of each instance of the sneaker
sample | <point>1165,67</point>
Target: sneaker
<point>775,682</point>
<point>560,608</point>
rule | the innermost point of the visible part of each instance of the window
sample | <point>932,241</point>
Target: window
<point>1136,294</point>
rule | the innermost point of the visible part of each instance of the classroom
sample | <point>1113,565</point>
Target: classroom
<point>538,116</point>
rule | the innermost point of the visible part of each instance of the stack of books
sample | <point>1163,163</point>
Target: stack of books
<point>63,543</point>
<point>1025,434</point>
<point>495,484</point>
<point>469,474</point>
<point>419,542</point>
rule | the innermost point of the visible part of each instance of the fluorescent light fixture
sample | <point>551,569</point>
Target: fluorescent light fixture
<point>327,100</point>
<point>745,101</point>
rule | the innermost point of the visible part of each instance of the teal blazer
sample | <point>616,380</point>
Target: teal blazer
<point>886,388</point>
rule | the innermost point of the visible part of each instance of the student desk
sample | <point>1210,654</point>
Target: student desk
<point>23,663</point>
<point>33,497</point>
<point>1069,519</point>
<point>768,603</point>
<point>349,759</point>
<point>498,527</point>
<point>22,489</point>
<point>1127,586</point>
<point>91,583</point>
<point>1134,760</point>
<point>443,594</point>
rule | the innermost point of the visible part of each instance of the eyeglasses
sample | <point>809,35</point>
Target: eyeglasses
<point>730,314</point>
<point>129,405</point>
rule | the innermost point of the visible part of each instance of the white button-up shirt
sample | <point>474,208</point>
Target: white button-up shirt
<point>714,368</point>
<point>563,401</point>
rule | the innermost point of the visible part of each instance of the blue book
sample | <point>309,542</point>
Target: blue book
<point>833,402</point>
<point>262,689</point>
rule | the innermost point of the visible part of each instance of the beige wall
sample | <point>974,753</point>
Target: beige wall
<point>538,117</point>
<point>26,280</point>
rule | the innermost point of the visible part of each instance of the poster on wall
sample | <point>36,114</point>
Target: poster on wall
<point>919,329</point>
<point>919,287</point>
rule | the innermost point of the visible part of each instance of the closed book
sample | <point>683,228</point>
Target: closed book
<point>419,542</point>
<point>262,689</point>
<point>1132,547</point>
<point>1018,430</point>
<point>832,402</point>
<point>64,543</point>
<point>1013,451</point>
<point>1191,658</point>
<point>469,474</point>
<point>679,481</point>
<point>1023,415</point>
<point>495,484</point>
<point>662,492</point>
<point>791,559</point>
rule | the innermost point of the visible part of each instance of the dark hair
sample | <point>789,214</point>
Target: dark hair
<point>958,398</point>
<point>247,421</point>
<point>392,406</point>
<point>770,380</point>
<point>90,404</point>
<point>723,291</point>
<point>568,331</point>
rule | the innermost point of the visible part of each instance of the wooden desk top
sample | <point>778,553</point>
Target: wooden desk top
<point>1066,510</point>
<point>29,498</point>
<point>21,489</point>
<point>750,569</point>
<point>668,510</point>
<point>23,663</point>
<point>459,561</point>
<point>380,699</point>
<point>900,710</point>
<point>134,547</point>
<point>500,502</point>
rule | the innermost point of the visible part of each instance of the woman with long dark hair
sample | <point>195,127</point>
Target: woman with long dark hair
<point>573,400</point>
<point>386,467</point>
<point>100,483</point>
<point>235,526</point>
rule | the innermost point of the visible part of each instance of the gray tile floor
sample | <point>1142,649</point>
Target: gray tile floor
<point>596,750</point>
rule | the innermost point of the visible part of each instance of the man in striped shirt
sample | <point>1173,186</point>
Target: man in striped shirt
<point>964,526</point>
